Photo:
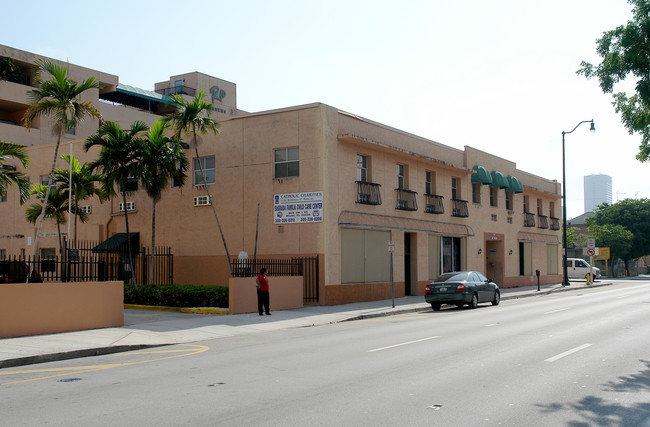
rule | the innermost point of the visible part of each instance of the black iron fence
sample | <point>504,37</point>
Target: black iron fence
<point>84,262</point>
<point>295,266</point>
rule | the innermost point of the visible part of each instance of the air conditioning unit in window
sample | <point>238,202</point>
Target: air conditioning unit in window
<point>202,201</point>
<point>85,209</point>
<point>130,206</point>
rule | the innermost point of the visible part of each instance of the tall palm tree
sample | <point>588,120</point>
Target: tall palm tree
<point>193,118</point>
<point>8,173</point>
<point>162,160</point>
<point>56,208</point>
<point>83,184</point>
<point>57,98</point>
<point>118,163</point>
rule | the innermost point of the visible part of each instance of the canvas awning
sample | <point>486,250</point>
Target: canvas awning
<point>117,243</point>
<point>514,185</point>
<point>367,220</point>
<point>481,175</point>
<point>498,180</point>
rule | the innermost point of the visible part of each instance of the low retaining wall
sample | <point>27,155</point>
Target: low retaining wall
<point>286,292</point>
<point>45,308</point>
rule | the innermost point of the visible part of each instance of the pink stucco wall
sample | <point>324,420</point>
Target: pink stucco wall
<point>286,292</point>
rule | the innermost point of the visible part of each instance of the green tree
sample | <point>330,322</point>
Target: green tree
<point>8,174</point>
<point>193,118</point>
<point>56,208</point>
<point>161,160</point>
<point>83,184</point>
<point>57,98</point>
<point>615,237</point>
<point>118,163</point>
<point>626,51</point>
<point>634,215</point>
<point>571,236</point>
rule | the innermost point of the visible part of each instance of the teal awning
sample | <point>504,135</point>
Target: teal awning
<point>481,175</point>
<point>514,185</point>
<point>498,180</point>
<point>118,242</point>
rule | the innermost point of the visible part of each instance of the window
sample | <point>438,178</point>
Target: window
<point>286,163</point>
<point>451,254</point>
<point>476,193</point>
<point>85,209</point>
<point>551,258</point>
<point>130,206</point>
<point>71,131</point>
<point>526,204</point>
<point>362,168</point>
<point>455,188</point>
<point>494,218</point>
<point>131,185</point>
<point>48,260</point>
<point>3,253</point>
<point>539,207</point>
<point>430,183</point>
<point>45,179</point>
<point>509,200</point>
<point>178,86</point>
<point>551,209</point>
<point>207,163</point>
<point>525,259</point>
<point>494,196</point>
<point>401,176</point>
<point>509,220</point>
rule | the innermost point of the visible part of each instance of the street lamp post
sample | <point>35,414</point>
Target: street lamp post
<point>565,275</point>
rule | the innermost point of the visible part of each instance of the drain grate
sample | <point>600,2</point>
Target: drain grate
<point>69,380</point>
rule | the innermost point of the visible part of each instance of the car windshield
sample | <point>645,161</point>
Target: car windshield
<point>453,277</point>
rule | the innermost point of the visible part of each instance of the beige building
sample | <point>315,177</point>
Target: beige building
<point>328,183</point>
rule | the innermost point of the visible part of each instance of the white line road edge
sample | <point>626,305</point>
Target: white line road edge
<point>567,353</point>
<point>404,343</point>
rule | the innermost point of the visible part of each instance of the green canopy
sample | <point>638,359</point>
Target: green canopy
<point>498,180</point>
<point>514,185</point>
<point>481,175</point>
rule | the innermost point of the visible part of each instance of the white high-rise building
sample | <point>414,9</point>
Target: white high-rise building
<point>598,189</point>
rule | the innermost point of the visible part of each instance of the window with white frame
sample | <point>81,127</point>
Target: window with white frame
<point>286,163</point>
<point>455,188</point>
<point>429,182</point>
<point>207,164</point>
<point>131,184</point>
<point>85,209</point>
<point>45,179</point>
<point>401,176</point>
<point>362,168</point>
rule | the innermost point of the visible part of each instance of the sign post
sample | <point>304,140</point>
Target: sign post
<point>591,251</point>
<point>391,249</point>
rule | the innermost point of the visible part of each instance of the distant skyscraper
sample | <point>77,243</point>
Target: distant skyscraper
<point>598,189</point>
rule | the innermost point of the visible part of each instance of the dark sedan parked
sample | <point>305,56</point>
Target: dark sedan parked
<point>460,288</point>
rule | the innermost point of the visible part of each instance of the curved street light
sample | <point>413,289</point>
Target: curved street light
<point>565,276</point>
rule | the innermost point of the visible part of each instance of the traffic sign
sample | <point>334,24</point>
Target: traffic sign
<point>591,252</point>
<point>391,246</point>
<point>591,243</point>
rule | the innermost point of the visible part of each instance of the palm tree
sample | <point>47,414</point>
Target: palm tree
<point>57,207</point>
<point>8,173</point>
<point>57,98</point>
<point>194,117</point>
<point>162,160</point>
<point>83,184</point>
<point>118,163</point>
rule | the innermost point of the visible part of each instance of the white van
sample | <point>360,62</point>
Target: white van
<point>578,268</point>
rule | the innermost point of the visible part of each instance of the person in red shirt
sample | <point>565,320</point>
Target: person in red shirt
<point>262,293</point>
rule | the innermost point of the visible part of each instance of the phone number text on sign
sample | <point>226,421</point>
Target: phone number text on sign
<point>297,208</point>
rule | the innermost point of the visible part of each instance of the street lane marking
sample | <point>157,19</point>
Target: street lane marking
<point>557,311</point>
<point>189,351</point>
<point>491,324</point>
<point>399,345</point>
<point>567,353</point>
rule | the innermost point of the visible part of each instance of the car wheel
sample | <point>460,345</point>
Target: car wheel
<point>436,306</point>
<point>497,298</point>
<point>474,302</point>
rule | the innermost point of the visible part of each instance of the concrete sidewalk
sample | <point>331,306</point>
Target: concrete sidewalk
<point>146,328</point>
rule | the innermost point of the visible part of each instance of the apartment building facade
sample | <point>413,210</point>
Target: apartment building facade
<point>325,182</point>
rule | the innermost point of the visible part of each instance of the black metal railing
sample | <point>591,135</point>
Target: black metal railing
<point>459,208</point>
<point>434,204</point>
<point>529,219</point>
<point>542,221</point>
<point>177,90</point>
<point>368,193</point>
<point>555,223</point>
<point>307,267</point>
<point>406,200</point>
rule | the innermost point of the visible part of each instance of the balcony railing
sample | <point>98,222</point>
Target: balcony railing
<point>542,221</point>
<point>434,204</point>
<point>177,90</point>
<point>368,193</point>
<point>529,219</point>
<point>555,223</point>
<point>459,208</point>
<point>406,200</point>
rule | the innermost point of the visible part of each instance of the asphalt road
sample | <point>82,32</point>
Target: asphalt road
<point>573,359</point>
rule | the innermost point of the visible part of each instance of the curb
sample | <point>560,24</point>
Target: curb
<point>196,310</point>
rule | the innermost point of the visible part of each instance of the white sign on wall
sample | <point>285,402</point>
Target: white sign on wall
<point>298,208</point>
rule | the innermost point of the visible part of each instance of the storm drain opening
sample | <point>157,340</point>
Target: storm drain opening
<point>69,380</point>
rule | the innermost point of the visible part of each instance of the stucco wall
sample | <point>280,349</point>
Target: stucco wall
<point>286,292</point>
<point>45,308</point>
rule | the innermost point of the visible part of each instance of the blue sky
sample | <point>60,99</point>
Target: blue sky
<point>498,76</point>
